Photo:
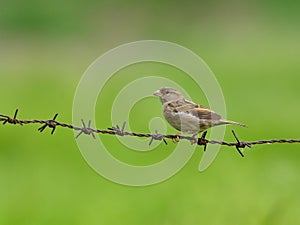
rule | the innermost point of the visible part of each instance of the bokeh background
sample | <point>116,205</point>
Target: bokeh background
<point>252,47</point>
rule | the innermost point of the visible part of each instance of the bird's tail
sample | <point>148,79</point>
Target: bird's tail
<point>231,122</point>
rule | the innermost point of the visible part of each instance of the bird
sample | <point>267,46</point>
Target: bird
<point>187,116</point>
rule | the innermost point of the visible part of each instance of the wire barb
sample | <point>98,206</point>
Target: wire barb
<point>49,123</point>
<point>117,129</point>
<point>7,119</point>
<point>86,129</point>
<point>240,144</point>
<point>158,137</point>
<point>203,141</point>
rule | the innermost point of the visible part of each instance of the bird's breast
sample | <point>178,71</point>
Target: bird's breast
<point>185,122</point>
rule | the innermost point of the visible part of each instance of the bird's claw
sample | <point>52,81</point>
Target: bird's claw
<point>176,138</point>
<point>193,140</point>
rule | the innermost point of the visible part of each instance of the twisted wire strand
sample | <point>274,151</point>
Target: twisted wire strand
<point>120,131</point>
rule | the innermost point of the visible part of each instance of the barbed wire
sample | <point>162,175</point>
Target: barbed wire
<point>120,131</point>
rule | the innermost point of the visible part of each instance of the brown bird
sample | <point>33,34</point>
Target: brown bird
<point>186,116</point>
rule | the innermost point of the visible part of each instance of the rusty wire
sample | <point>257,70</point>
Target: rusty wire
<point>116,130</point>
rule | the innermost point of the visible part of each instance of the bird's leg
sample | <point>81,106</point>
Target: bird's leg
<point>193,139</point>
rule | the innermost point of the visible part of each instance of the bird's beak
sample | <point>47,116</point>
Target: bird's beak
<point>157,93</point>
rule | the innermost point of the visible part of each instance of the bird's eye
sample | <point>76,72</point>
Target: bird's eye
<point>167,92</point>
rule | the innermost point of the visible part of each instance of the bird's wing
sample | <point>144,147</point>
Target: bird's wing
<point>197,110</point>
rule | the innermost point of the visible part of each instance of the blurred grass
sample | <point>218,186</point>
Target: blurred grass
<point>253,50</point>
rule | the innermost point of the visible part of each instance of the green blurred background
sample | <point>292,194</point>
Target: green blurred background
<point>252,47</point>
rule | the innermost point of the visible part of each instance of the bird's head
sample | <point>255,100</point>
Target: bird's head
<point>167,94</point>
